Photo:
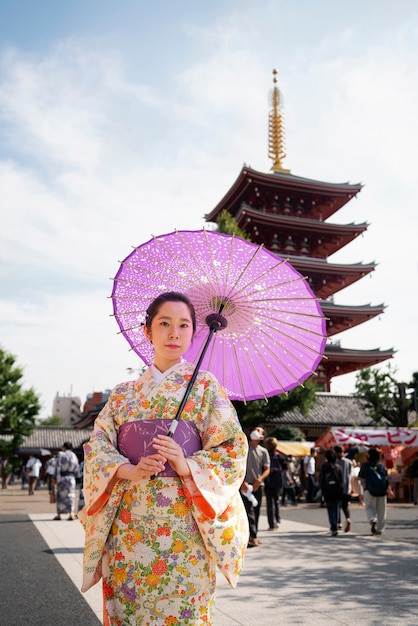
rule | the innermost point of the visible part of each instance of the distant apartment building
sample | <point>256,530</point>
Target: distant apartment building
<point>68,408</point>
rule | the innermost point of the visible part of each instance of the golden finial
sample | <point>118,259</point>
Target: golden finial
<point>277,146</point>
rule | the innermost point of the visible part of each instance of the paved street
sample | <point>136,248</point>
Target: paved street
<point>300,575</point>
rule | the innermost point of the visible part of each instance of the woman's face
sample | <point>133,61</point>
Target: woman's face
<point>171,334</point>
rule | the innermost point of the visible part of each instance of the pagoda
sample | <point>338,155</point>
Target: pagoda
<point>289,215</point>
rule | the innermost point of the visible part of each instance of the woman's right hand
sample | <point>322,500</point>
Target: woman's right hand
<point>146,467</point>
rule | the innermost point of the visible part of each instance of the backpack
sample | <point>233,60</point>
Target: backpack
<point>332,484</point>
<point>377,483</point>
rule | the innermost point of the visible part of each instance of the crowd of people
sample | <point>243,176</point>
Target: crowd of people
<point>333,479</point>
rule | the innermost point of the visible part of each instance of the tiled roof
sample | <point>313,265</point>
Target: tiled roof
<point>52,438</point>
<point>329,410</point>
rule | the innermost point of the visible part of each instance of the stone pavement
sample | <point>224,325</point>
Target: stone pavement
<point>300,575</point>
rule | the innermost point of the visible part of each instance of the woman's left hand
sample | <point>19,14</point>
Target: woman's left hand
<point>171,450</point>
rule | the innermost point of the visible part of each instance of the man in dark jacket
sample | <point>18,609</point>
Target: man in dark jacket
<point>330,483</point>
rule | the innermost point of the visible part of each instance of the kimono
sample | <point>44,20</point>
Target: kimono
<point>67,470</point>
<point>156,544</point>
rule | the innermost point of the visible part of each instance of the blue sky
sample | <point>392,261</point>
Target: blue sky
<point>119,120</point>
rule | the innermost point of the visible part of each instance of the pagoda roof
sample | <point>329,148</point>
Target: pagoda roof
<point>324,238</point>
<point>327,278</point>
<point>341,361</point>
<point>327,197</point>
<point>341,316</point>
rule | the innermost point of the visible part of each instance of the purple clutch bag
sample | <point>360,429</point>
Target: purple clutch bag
<point>135,439</point>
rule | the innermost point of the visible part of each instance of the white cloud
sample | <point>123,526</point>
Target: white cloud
<point>95,159</point>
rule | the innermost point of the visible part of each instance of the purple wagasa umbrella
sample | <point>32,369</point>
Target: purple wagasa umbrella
<point>260,329</point>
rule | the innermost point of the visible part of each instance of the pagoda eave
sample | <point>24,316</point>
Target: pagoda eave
<point>341,317</point>
<point>338,361</point>
<point>326,198</point>
<point>285,234</point>
<point>328,278</point>
<point>341,361</point>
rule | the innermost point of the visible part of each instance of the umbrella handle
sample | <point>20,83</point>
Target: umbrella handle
<point>216,322</point>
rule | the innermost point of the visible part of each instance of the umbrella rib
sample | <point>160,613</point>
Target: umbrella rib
<point>251,364</point>
<point>290,325</point>
<point>244,269</point>
<point>291,374</point>
<point>268,366</point>
<point>210,251</point>
<point>281,285</point>
<point>280,332</point>
<point>196,259</point>
<point>294,357</point>
<point>152,257</point>
<point>267,272</point>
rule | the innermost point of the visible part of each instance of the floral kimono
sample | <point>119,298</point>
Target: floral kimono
<point>156,543</point>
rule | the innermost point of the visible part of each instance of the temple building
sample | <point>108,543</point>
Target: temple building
<point>290,216</point>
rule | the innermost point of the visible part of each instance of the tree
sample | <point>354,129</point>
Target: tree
<point>18,407</point>
<point>228,225</point>
<point>287,433</point>
<point>258,411</point>
<point>53,420</point>
<point>383,397</point>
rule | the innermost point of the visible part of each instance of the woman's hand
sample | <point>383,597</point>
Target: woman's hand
<point>146,467</point>
<point>171,451</point>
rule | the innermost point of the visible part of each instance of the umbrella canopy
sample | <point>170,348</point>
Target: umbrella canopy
<point>271,330</point>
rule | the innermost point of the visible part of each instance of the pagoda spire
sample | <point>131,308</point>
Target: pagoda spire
<point>277,144</point>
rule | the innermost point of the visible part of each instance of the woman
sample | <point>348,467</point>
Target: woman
<point>162,512</point>
<point>67,470</point>
<point>273,483</point>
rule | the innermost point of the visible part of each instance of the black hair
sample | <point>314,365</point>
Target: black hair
<point>330,456</point>
<point>67,445</point>
<point>374,455</point>
<point>168,296</point>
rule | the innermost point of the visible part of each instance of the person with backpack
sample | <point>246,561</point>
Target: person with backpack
<point>330,483</point>
<point>374,477</point>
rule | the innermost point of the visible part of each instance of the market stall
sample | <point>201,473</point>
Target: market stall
<point>398,446</point>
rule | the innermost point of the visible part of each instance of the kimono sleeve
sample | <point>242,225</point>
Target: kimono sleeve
<point>101,456</point>
<point>218,469</point>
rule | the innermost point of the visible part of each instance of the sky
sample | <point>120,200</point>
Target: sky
<point>124,119</point>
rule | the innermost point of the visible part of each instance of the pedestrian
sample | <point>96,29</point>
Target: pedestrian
<point>6,473</point>
<point>309,466</point>
<point>258,468</point>
<point>374,477</point>
<point>273,483</point>
<point>330,483</point>
<point>289,484</point>
<point>67,471</point>
<point>33,470</point>
<point>162,513</point>
<point>346,468</point>
<point>50,471</point>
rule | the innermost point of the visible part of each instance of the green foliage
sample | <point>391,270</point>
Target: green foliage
<point>287,433</point>
<point>53,420</point>
<point>18,407</point>
<point>228,225</point>
<point>383,397</point>
<point>259,411</point>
